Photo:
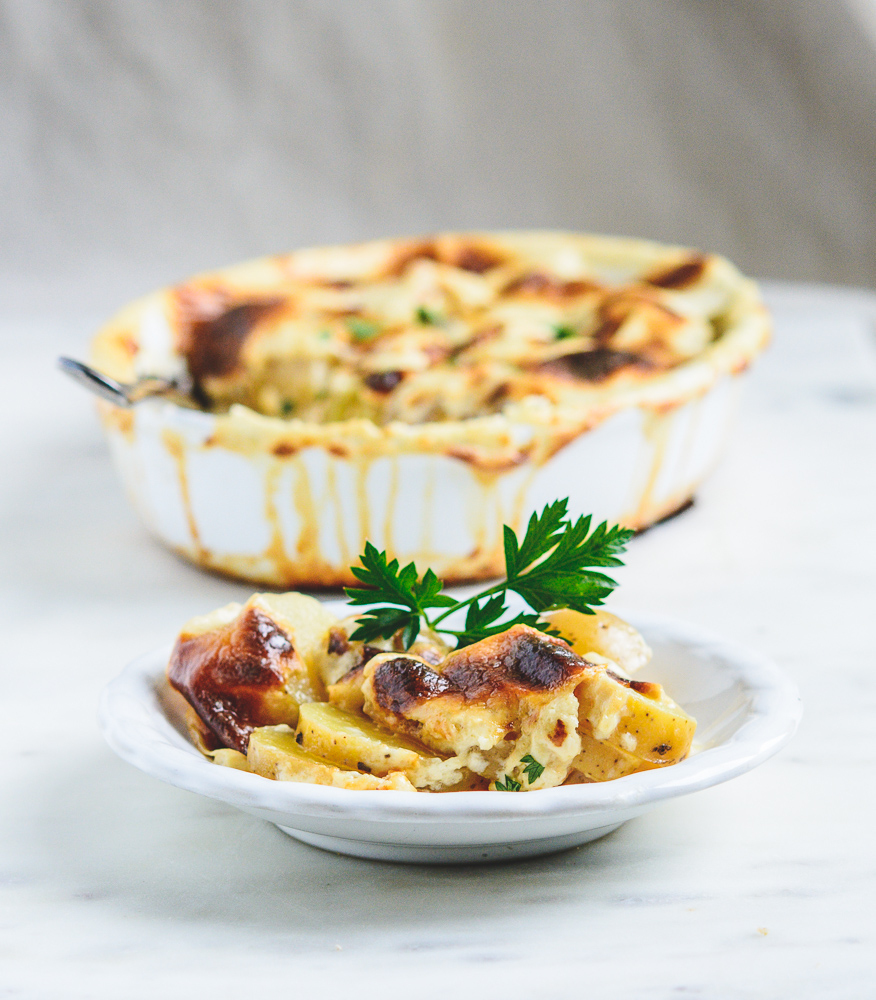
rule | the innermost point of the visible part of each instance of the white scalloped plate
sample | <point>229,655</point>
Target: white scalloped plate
<point>746,709</point>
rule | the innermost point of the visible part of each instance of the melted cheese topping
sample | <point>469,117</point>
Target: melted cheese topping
<point>447,328</point>
<point>520,709</point>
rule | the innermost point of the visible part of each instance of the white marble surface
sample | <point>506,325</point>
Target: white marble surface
<point>115,885</point>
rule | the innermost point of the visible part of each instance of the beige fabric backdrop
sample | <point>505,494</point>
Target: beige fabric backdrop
<point>145,139</point>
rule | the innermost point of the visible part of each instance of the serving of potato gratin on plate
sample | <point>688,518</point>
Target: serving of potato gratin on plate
<point>279,688</point>
<point>381,700</point>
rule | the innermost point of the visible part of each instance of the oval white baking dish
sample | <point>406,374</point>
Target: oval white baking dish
<point>288,503</point>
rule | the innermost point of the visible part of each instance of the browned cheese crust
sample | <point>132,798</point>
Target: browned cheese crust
<point>444,328</point>
<point>489,703</point>
<point>235,677</point>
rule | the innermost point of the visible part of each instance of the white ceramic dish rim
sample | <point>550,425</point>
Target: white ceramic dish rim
<point>132,720</point>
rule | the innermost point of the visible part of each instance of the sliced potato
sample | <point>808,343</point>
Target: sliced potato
<point>274,753</point>
<point>231,758</point>
<point>634,716</point>
<point>602,633</point>
<point>600,761</point>
<point>350,741</point>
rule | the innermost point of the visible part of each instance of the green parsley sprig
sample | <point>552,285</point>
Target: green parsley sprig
<point>533,772</point>
<point>508,785</point>
<point>533,769</point>
<point>554,566</point>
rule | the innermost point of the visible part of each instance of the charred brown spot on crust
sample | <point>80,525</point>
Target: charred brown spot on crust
<point>680,276</point>
<point>617,677</point>
<point>498,395</point>
<point>608,328</point>
<point>299,739</point>
<point>363,767</point>
<point>351,675</point>
<point>229,675</point>
<point>547,286</point>
<point>338,450</point>
<point>647,688</point>
<point>283,449</point>
<point>383,382</point>
<point>559,734</point>
<point>661,750</point>
<point>592,366</point>
<point>338,642</point>
<point>477,259</point>
<point>401,683</point>
<point>214,343</point>
<point>534,283</point>
<point>519,658</point>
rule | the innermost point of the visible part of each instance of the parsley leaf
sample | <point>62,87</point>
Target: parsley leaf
<point>510,785</point>
<point>362,329</point>
<point>563,332</point>
<point>554,566</point>
<point>428,317</point>
<point>542,534</point>
<point>533,769</point>
<point>396,587</point>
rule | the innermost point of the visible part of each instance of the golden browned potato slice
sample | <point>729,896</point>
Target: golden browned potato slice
<point>602,633</point>
<point>600,761</point>
<point>637,717</point>
<point>349,740</point>
<point>274,753</point>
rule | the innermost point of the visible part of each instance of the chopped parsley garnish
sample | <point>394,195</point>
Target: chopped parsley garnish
<point>563,332</point>
<point>287,407</point>
<point>427,317</point>
<point>510,785</point>
<point>552,567</point>
<point>362,329</point>
<point>533,769</point>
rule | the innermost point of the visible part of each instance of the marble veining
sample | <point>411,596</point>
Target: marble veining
<point>113,884</point>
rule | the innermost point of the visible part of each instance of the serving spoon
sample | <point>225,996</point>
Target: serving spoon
<point>122,393</point>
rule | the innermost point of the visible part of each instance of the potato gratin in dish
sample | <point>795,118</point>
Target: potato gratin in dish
<point>278,687</point>
<point>420,392</point>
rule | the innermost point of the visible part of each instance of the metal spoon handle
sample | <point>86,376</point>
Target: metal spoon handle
<point>108,388</point>
<point>101,385</point>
